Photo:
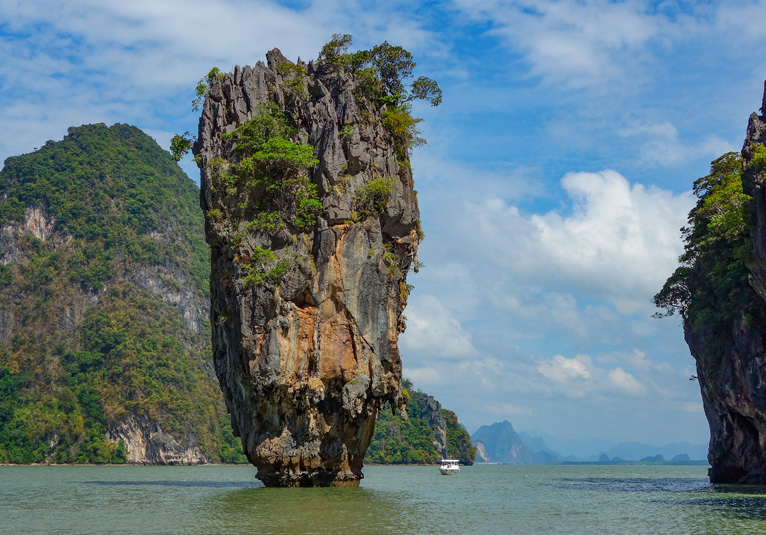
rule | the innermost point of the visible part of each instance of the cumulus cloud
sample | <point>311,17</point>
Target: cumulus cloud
<point>622,381</point>
<point>578,377</point>
<point>618,243</point>
<point>432,331</point>
<point>563,370</point>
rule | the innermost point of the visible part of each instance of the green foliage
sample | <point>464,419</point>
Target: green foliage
<point>268,222</point>
<point>426,89</point>
<point>711,284</point>
<point>334,52</point>
<point>403,128</point>
<point>347,130</point>
<point>109,188</point>
<point>380,74</point>
<point>264,267</point>
<point>710,290</point>
<point>180,145</point>
<point>271,172</point>
<point>404,291</point>
<point>293,78</point>
<point>419,230</point>
<point>411,441</point>
<point>389,260</point>
<point>371,199</point>
<point>381,71</point>
<point>76,367</point>
<point>203,86</point>
<point>459,445</point>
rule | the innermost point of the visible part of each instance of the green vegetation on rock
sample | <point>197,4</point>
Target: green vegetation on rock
<point>381,73</point>
<point>270,176</point>
<point>710,288</point>
<point>102,236</point>
<point>411,440</point>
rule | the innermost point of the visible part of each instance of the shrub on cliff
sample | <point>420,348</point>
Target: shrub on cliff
<point>411,441</point>
<point>382,73</point>
<point>711,284</point>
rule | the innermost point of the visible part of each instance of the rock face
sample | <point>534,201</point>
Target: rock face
<point>432,410</point>
<point>306,360</point>
<point>731,371</point>
<point>499,442</point>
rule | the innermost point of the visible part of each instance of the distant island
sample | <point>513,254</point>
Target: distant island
<point>500,443</point>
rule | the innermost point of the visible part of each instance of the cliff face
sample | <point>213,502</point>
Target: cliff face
<point>499,442</point>
<point>731,379</point>
<point>432,410</point>
<point>305,313</point>
<point>730,360</point>
<point>428,434</point>
<point>103,308</point>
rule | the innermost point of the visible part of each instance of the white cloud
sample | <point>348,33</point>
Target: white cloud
<point>426,375</point>
<point>578,43</point>
<point>624,382</point>
<point>560,369</point>
<point>432,331</point>
<point>619,242</point>
<point>661,146</point>
<point>578,377</point>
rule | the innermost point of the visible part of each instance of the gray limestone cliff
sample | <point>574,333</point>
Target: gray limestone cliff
<point>432,411</point>
<point>499,442</point>
<point>305,316</point>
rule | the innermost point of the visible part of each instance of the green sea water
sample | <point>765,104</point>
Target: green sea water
<point>568,500</point>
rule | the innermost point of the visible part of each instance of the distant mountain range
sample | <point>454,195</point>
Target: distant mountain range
<point>499,442</point>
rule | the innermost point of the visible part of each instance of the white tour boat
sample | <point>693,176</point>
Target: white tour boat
<point>449,466</point>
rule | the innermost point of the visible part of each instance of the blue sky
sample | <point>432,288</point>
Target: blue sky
<point>552,190</point>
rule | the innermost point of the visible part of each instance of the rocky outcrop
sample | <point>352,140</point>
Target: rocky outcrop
<point>147,443</point>
<point>432,410</point>
<point>306,352</point>
<point>753,185</point>
<point>499,442</point>
<point>730,366</point>
<point>482,455</point>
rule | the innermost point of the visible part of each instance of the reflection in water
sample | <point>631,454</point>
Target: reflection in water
<point>325,510</point>
<point>172,483</point>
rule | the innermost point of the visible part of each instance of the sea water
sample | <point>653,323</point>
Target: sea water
<point>568,500</point>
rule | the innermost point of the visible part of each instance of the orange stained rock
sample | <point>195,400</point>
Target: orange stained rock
<point>339,357</point>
